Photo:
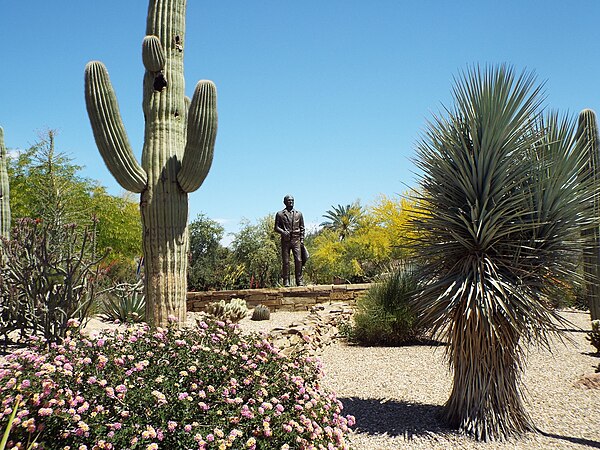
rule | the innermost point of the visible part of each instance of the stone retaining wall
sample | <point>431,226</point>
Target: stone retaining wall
<point>301,298</point>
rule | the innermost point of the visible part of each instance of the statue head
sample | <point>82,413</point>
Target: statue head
<point>288,201</point>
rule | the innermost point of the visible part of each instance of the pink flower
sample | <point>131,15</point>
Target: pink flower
<point>246,412</point>
<point>171,425</point>
<point>45,412</point>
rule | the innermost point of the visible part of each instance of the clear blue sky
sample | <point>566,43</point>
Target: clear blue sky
<point>323,99</point>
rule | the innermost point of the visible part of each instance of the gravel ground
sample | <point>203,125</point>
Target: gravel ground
<point>396,395</point>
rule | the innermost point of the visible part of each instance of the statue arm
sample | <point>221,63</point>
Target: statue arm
<point>301,227</point>
<point>278,228</point>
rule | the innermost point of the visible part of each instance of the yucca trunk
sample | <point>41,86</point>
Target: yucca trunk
<point>486,399</point>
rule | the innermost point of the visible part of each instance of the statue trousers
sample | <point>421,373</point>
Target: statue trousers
<point>294,245</point>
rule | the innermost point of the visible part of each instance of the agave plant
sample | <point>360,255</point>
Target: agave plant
<point>124,302</point>
<point>498,225</point>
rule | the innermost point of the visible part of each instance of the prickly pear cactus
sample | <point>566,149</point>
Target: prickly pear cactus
<point>4,190</point>
<point>176,157</point>
<point>587,135</point>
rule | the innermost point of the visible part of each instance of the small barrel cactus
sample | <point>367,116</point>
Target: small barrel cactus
<point>234,311</point>
<point>261,312</point>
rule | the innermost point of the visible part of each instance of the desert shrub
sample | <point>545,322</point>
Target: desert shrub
<point>384,315</point>
<point>207,387</point>
<point>234,310</point>
<point>594,335</point>
<point>48,276</point>
<point>124,302</point>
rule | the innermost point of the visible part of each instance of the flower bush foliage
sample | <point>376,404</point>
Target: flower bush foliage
<point>207,387</point>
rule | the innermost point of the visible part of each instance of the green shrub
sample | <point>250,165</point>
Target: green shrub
<point>124,303</point>
<point>207,387</point>
<point>384,315</point>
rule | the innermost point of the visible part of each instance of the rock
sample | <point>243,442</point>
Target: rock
<point>589,381</point>
<point>319,329</point>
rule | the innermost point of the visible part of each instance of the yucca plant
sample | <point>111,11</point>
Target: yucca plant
<point>500,209</point>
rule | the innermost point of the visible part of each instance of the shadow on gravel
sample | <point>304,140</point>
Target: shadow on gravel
<point>395,418</point>
<point>574,440</point>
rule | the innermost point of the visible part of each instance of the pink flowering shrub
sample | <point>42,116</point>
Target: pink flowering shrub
<point>203,388</point>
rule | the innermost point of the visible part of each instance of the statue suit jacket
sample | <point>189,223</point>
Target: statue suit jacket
<point>291,221</point>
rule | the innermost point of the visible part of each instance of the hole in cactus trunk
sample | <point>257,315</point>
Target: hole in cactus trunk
<point>160,82</point>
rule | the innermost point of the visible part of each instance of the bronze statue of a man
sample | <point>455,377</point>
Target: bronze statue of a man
<point>289,223</point>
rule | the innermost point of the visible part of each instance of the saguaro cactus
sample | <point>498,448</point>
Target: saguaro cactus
<point>176,157</point>
<point>4,190</point>
<point>587,135</point>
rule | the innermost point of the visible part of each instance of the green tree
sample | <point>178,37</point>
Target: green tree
<point>378,239</point>
<point>209,260</point>
<point>44,185</point>
<point>119,225</point>
<point>119,229</point>
<point>343,219</point>
<point>501,210</point>
<point>391,216</point>
<point>258,249</point>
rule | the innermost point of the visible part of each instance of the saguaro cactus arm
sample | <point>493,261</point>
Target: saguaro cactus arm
<point>109,132</point>
<point>153,54</point>
<point>201,135</point>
